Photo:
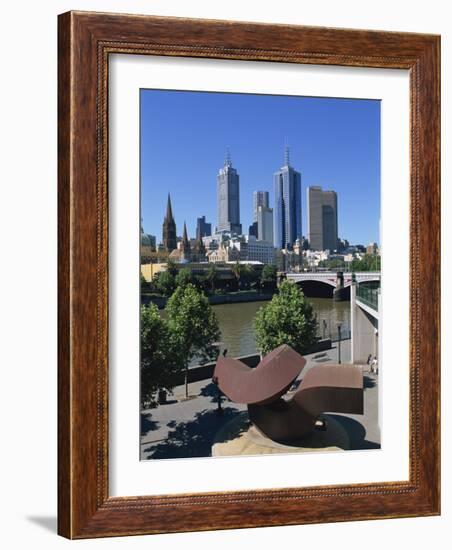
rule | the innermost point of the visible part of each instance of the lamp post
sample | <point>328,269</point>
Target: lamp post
<point>215,380</point>
<point>339,344</point>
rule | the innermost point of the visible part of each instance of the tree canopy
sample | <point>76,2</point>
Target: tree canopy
<point>165,283</point>
<point>159,355</point>
<point>287,319</point>
<point>184,277</point>
<point>193,324</point>
<point>269,276</point>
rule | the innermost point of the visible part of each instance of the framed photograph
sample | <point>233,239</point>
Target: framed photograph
<point>248,275</point>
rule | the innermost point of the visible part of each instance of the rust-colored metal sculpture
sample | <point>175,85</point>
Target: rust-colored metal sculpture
<point>324,388</point>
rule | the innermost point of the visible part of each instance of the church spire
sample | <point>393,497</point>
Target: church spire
<point>185,245</point>
<point>169,210</point>
<point>169,228</point>
<point>185,236</point>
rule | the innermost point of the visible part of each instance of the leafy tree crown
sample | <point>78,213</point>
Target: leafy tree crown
<point>288,319</point>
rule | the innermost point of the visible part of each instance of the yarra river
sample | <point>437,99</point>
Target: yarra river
<point>236,323</point>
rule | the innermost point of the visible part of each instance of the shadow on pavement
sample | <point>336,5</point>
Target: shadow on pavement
<point>210,390</point>
<point>147,424</point>
<point>356,432</point>
<point>194,438</point>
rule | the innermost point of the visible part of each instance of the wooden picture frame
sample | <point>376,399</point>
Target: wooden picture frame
<point>86,40</point>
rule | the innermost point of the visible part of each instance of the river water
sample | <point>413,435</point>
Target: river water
<point>236,323</point>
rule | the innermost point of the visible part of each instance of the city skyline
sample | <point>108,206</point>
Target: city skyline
<point>195,195</point>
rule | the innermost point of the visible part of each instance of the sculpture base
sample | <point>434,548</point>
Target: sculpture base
<point>238,437</point>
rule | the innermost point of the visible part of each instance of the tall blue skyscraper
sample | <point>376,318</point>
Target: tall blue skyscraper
<point>228,198</point>
<point>287,210</point>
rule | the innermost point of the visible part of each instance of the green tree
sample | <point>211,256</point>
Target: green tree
<point>367,263</point>
<point>238,271</point>
<point>165,283</point>
<point>145,286</point>
<point>159,357</point>
<point>250,275</point>
<point>212,276</point>
<point>269,276</point>
<point>332,264</point>
<point>184,277</point>
<point>171,267</point>
<point>287,319</point>
<point>194,326</point>
<point>246,276</point>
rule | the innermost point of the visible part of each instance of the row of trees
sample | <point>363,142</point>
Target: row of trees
<point>168,344</point>
<point>190,329</point>
<point>245,277</point>
<point>368,262</point>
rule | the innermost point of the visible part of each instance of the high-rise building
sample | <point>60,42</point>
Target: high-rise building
<point>322,219</point>
<point>228,198</point>
<point>169,239</point>
<point>260,198</point>
<point>265,224</point>
<point>252,230</point>
<point>287,210</point>
<point>203,229</point>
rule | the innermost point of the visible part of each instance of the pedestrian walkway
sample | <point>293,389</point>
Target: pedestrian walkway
<point>186,428</point>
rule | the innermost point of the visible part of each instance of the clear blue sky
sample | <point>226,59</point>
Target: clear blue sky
<point>334,143</point>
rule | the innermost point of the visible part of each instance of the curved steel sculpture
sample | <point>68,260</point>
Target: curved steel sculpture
<point>324,388</point>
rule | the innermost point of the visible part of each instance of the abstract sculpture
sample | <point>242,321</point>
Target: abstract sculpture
<point>324,388</point>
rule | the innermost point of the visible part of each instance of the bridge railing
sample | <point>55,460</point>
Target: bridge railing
<point>368,296</point>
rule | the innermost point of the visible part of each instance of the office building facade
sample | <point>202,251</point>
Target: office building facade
<point>228,199</point>
<point>287,209</point>
<point>265,224</point>
<point>322,219</point>
<point>260,198</point>
<point>203,229</point>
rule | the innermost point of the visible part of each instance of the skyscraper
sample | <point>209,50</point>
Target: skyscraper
<point>322,219</point>
<point>169,229</point>
<point>203,229</point>
<point>253,230</point>
<point>287,211</point>
<point>228,198</point>
<point>260,198</point>
<point>265,224</point>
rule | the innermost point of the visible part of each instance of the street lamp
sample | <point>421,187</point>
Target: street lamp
<point>215,379</point>
<point>339,344</point>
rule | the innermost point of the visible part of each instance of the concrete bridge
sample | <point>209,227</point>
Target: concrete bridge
<point>331,284</point>
<point>331,277</point>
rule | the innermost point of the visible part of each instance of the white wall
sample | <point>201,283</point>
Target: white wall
<point>28,273</point>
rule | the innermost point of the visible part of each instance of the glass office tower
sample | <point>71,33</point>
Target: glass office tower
<point>287,209</point>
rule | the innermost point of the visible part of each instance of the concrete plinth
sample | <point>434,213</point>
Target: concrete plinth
<point>238,437</point>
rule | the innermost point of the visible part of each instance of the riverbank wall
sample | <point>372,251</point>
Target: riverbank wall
<point>215,299</point>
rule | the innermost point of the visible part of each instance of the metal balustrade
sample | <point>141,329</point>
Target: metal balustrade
<point>369,296</point>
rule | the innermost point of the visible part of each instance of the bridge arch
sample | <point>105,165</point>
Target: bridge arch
<point>316,288</point>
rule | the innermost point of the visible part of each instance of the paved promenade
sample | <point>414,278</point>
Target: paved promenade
<point>186,427</point>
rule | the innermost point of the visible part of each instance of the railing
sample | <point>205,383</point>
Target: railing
<point>369,296</point>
